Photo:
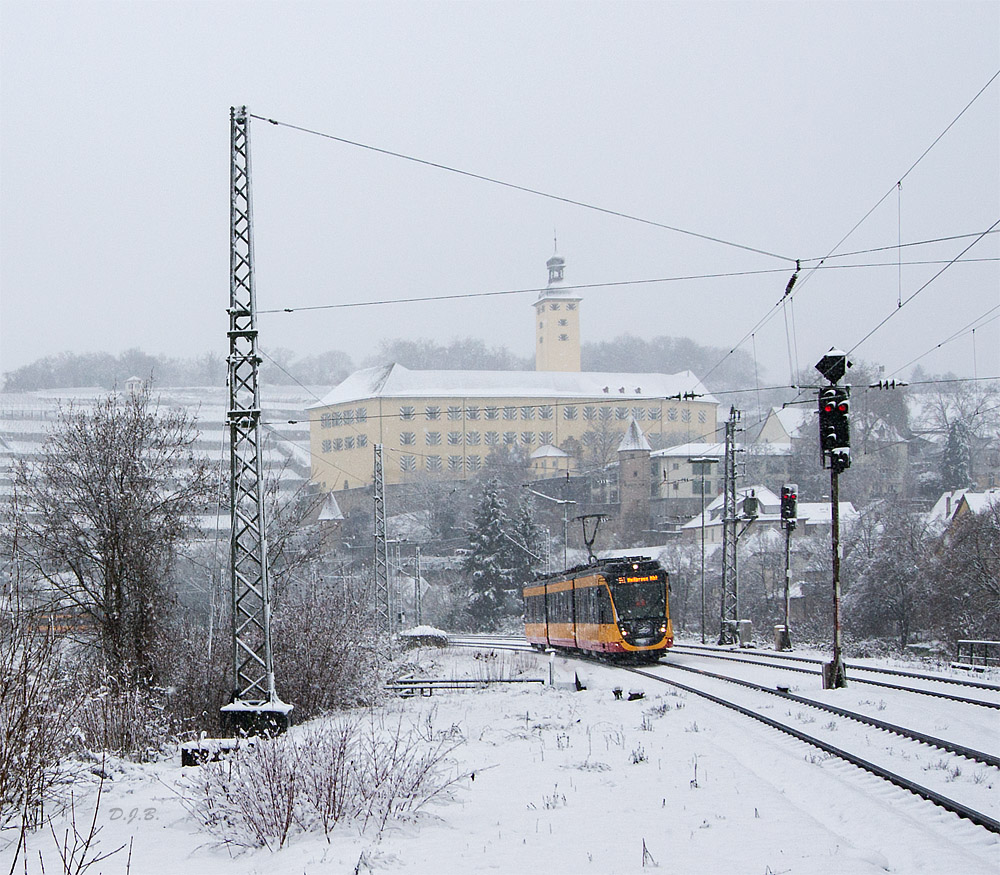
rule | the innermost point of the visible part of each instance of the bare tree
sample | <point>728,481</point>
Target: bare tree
<point>103,510</point>
<point>967,598</point>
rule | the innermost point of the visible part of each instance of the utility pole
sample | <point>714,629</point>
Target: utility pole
<point>702,462</point>
<point>565,502</point>
<point>835,447</point>
<point>254,707</point>
<point>383,614</point>
<point>730,596</point>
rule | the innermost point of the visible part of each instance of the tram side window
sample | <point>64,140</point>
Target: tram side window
<point>604,612</point>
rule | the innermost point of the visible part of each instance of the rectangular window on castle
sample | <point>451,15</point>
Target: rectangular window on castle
<point>472,413</point>
<point>455,463</point>
<point>348,443</point>
<point>639,413</point>
<point>621,413</point>
<point>327,446</point>
<point>546,437</point>
<point>527,413</point>
<point>510,437</point>
<point>406,412</point>
<point>545,411</point>
<point>348,417</point>
<point>472,438</point>
<point>473,463</point>
<point>492,412</point>
<point>324,421</point>
<point>434,463</point>
<point>338,444</point>
<point>510,413</point>
<point>407,463</point>
<point>407,438</point>
<point>654,413</point>
<point>527,438</point>
<point>492,438</point>
<point>433,438</point>
<point>569,412</point>
<point>361,414</point>
<point>590,413</point>
<point>433,411</point>
<point>362,440</point>
<point>336,418</point>
<point>454,412</point>
<point>454,438</point>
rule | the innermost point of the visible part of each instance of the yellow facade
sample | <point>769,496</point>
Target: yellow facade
<point>450,436</point>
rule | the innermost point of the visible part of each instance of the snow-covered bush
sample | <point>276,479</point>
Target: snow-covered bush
<point>353,768</point>
<point>121,715</point>
<point>37,705</point>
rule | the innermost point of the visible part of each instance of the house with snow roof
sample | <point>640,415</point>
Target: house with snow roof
<point>444,424</point>
<point>814,517</point>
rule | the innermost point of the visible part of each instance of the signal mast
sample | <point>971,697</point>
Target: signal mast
<point>835,446</point>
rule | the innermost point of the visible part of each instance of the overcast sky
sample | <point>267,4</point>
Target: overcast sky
<point>776,127</point>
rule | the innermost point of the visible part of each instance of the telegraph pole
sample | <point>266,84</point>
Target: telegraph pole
<point>835,447</point>
<point>254,707</point>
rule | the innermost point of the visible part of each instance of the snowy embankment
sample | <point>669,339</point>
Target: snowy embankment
<point>559,781</point>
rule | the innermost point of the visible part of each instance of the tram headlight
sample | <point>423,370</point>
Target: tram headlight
<point>663,628</point>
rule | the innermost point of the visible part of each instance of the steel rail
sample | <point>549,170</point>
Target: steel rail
<point>922,692</point>
<point>976,817</point>
<point>912,734</point>
<point>964,811</point>
<point>963,682</point>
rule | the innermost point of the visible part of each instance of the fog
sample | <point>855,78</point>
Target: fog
<point>771,127</point>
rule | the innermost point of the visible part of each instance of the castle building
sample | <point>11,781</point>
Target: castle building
<point>444,424</point>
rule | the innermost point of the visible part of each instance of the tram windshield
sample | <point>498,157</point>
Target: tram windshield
<point>635,600</point>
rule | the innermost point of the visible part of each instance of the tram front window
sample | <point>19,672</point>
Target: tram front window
<point>636,600</point>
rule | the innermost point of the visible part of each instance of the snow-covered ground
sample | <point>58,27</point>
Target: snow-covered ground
<point>557,780</point>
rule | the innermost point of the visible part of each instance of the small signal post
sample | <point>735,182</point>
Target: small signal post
<point>835,447</point>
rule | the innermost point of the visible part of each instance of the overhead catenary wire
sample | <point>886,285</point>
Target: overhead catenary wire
<point>522,188</point>
<point>978,322</point>
<point>864,218</point>
<point>420,299</point>
<point>914,294</point>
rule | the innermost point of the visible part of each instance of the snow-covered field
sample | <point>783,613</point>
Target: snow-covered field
<point>557,780</point>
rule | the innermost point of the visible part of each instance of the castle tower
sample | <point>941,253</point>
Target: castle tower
<point>557,323</point>
<point>634,485</point>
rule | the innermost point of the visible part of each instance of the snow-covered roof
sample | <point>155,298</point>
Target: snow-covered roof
<point>944,508</point>
<point>396,381</point>
<point>693,450</point>
<point>547,450</point>
<point>634,439</point>
<point>977,502</point>
<point>331,511</point>
<point>810,513</point>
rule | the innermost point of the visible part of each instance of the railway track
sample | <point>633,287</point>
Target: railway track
<point>782,662</point>
<point>867,763</point>
<point>962,810</point>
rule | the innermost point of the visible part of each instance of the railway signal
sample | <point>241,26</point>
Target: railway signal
<point>789,503</point>
<point>835,444</point>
